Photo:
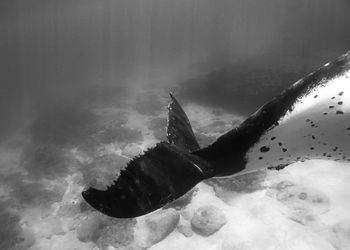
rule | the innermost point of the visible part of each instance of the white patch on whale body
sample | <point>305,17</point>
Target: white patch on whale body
<point>317,127</point>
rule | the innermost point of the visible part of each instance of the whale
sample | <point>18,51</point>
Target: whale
<point>308,120</point>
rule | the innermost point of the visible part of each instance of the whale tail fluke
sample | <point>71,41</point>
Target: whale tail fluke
<point>158,176</point>
<point>150,181</point>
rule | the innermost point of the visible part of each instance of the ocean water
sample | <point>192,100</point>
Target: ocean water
<point>84,88</point>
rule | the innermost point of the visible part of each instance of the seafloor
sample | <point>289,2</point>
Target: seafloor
<point>48,162</point>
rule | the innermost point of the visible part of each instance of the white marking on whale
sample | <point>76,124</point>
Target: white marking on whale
<point>318,127</point>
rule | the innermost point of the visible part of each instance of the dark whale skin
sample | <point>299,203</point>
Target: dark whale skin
<point>170,169</point>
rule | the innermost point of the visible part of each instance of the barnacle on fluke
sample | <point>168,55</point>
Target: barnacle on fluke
<point>170,169</point>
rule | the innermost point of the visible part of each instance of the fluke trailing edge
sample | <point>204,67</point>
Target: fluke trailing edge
<point>309,120</point>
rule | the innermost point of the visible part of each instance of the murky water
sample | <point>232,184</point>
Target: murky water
<point>84,87</point>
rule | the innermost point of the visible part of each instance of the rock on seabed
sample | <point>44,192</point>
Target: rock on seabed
<point>132,150</point>
<point>208,220</point>
<point>88,230</point>
<point>340,237</point>
<point>185,230</point>
<point>161,224</point>
<point>120,234</point>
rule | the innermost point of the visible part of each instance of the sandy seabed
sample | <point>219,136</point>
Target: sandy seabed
<point>304,206</point>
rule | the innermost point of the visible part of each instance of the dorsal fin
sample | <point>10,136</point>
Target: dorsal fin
<point>179,130</point>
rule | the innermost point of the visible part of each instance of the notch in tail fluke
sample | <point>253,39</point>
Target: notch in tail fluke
<point>179,130</point>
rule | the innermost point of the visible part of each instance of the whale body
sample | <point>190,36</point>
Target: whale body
<point>308,120</point>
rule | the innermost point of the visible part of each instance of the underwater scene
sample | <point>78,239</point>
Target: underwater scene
<point>160,124</point>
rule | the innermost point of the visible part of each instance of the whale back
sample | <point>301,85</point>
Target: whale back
<point>317,126</point>
<point>308,120</point>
